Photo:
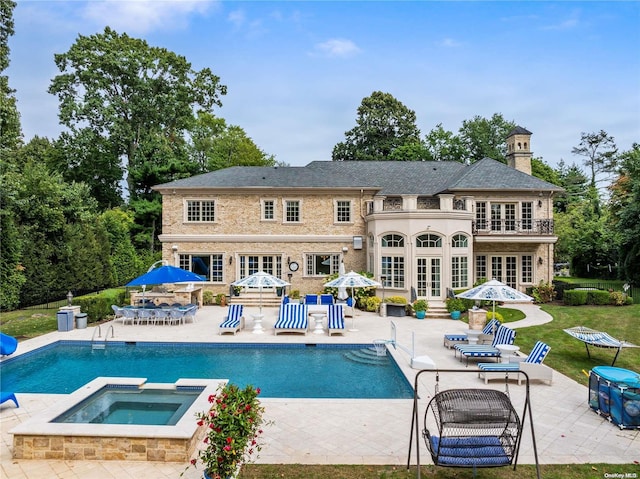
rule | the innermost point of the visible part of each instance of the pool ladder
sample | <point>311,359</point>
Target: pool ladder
<point>102,344</point>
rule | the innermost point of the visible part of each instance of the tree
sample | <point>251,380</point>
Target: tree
<point>10,130</point>
<point>136,97</point>
<point>599,151</point>
<point>486,138</point>
<point>625,207</point>
<point>574,182</point>
<point>541,170</point>
<point>383,125</point>
<point>443,145</point>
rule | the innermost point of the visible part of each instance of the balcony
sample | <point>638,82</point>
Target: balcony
<point>512,227</point>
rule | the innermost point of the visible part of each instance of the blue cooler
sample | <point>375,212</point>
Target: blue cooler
<point>615,394</point>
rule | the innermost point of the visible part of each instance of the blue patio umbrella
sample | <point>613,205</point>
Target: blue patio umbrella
<point>164,275</point>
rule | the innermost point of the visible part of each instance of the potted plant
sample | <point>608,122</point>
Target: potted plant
<point>236,290</point>
<point>294,295</point>
<point>455,306</point>
<point>420,307</point>
<point>232,430</point>
<point>221,299</point>
<point>396,306</point>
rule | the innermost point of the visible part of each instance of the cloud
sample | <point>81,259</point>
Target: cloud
<point>449,43</point>
<point>572,22</point>
<point>237,18</point>
<point>337,47</point>
<point>143,16</point>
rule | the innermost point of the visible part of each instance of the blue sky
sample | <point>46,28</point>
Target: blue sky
<point>296,72</point>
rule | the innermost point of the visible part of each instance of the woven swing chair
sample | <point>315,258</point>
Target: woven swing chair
<point>470,428</point>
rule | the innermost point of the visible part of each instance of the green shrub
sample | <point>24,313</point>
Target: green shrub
<point>498,316</point>
<point>628,301</point>
<point>598,297</point>
<point>207,297</point>
<point>371,304</point>
<point>420,305</point>
<point>294,294</point>
<point>543,293</point>
<point>98,305</point>
<point>396,300</point>
<point>575,297</point>
<point>221,298</point>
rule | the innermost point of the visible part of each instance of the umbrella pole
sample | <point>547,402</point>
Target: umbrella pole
<point>353,312</point>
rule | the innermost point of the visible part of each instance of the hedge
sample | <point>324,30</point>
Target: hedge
<point>575,297</point>
<point>98,305</point>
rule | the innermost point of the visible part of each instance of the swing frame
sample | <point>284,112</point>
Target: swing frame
<point>415,420</point>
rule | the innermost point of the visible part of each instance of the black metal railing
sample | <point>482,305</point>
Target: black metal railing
<point>512,227</point>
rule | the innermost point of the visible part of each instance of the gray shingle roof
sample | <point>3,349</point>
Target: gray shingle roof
<point>389,177</point>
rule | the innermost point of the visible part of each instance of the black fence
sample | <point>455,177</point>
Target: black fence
<point>54,299</point>
<point>561,287</point>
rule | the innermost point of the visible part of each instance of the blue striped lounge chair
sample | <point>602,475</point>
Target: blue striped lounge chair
<point>233,321</point>
<point>532,365</point>
<point>335,321</point>
<point>503,335</point>
<point>6,396</point>
<point>461,338</point>
<point>292,318</point>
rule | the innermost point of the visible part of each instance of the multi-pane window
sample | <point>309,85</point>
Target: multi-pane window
<point>429,241</point>
<point>200,211</point>
<point>292,211</point>
<point>208,266</point>
<point>481,215</point>
<point>268,209</point>
<point>250,264</point>
<point>511,276</point>
<point>459,272</point>
<point>392,241</point>
<point>392,268</point>
<point>481,268</point>
<point>343,211</point>
<point>503,217</point>
<point>496,268</point>
<point>526,214</point>
<point>526,269</point>
<point>459,241</point>
<point>322,264</point>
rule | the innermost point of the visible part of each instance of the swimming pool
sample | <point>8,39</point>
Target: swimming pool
<point>288,371</point>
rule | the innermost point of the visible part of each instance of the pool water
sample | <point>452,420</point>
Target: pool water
<point>287,371</point>
<point>109,405</point>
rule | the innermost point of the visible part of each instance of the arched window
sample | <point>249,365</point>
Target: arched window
<point>392,241</point>
<point>429,241</point>
<point>459,241</point>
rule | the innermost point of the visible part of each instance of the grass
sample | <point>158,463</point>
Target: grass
<point>298,471</point>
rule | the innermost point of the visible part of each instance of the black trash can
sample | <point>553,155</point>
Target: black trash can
<point>65,320</point>
<point>81,320</point>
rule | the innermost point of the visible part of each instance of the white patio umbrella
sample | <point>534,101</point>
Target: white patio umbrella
<point>352,280</point>
<point>495,290</point>
<point>261,280</point>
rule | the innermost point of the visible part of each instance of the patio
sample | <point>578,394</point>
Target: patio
<point>312,431</point>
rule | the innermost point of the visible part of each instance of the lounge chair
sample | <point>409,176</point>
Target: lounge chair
<point>451,340</point>
<point>233,321</point>
<point>8,397</point>
<point>335,321</point>
<point>326,299</point>
<point>292,319</point>
<point>532,365</point>
<point>598,339</point>
<point>311,299</point>
<point>8,344</point>
<point>503,335</point>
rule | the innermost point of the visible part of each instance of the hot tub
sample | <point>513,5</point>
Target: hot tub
<point>75,427</point>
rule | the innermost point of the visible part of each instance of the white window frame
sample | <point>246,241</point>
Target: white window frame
<point>285,209</point>
<point>311,260</point>
<point>263,209</point>
<point>215,265</point>
<point>189,201</point>
<point>337,211</point>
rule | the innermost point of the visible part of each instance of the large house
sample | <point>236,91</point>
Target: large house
<point>426,226</point>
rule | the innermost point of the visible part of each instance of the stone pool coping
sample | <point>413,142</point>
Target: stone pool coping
<point>40,438</point>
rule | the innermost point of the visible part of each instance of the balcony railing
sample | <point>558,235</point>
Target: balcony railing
<point>512,227</point>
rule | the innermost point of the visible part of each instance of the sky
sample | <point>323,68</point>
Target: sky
<point>296,72</point>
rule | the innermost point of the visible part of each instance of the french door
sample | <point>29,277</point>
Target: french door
<point>429,277</point>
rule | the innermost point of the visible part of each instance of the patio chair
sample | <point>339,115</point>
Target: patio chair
<point>146,315</point>
<point>326,299</point>
<point>190,311</point>
<point>130,315</point>
<point>335,321</point>
<point>311,299</point>
<point>162,316</point>
<point>504,335</point>
<point>292,318</point>
<point>5,396</point>
<point>451,340</point>
<point>8,344</point>
<point>233,321</point>
<point>176,316</point>
<point>532,365</point>
<point>118,314</point>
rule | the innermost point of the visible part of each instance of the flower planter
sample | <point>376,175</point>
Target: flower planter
<point>397,310</point>
<point>455,314</point>
<point>421,314</point>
